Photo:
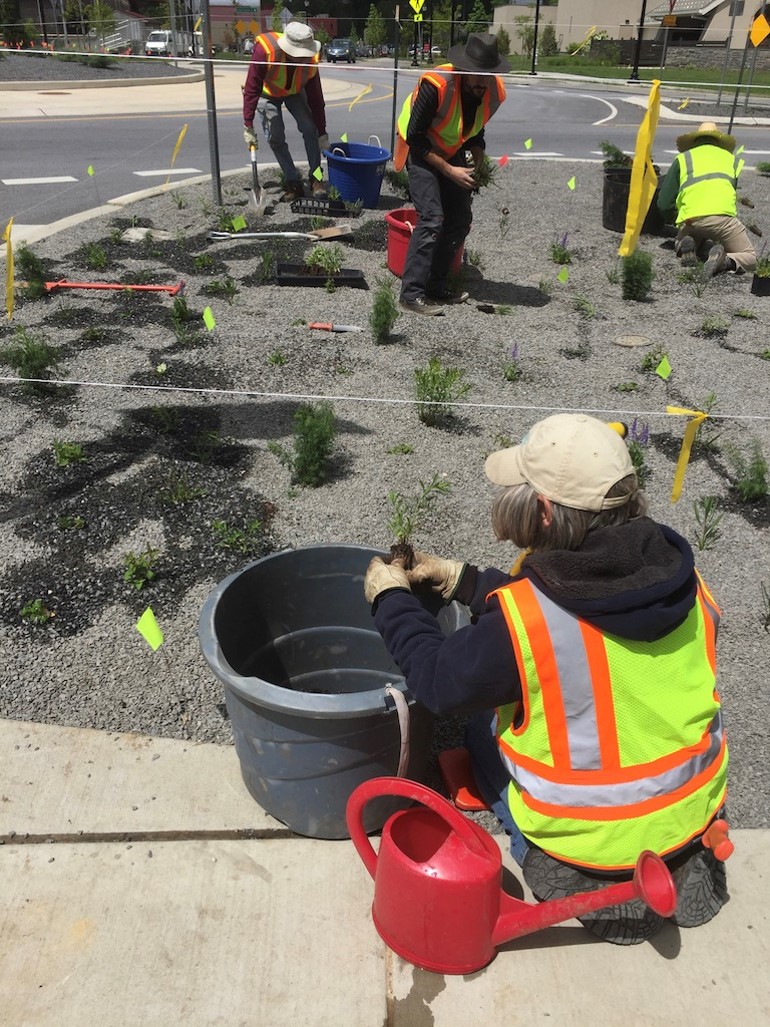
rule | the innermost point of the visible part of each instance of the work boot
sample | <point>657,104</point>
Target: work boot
<point>715,261</point>
<point>292,191</point>
<point>319,191</point>
<point>422,305</point>
<point>704,249</point>
<point>686,250</point>
<point>446,294</point>
<point>701,887</point>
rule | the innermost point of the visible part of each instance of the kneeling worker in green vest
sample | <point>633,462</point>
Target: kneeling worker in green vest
<point>590,672</point>
<point>700,188</point>
<point>444,117</point>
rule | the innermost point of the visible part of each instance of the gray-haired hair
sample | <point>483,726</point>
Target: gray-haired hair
<point>517,517</point>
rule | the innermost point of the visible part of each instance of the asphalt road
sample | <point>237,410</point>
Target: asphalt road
<point>127,135</point>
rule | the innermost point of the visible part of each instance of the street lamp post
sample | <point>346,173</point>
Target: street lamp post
<point>534,41</point>
<point>634,76</point>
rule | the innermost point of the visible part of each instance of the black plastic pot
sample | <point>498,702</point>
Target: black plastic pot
<point>760,286</point>
<point>297,274</point>
<point>304,669</point>
<point>617,187</point>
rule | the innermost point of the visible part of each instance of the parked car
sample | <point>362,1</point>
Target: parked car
<point>341,50</point>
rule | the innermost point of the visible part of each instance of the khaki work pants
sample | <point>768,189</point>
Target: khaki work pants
<point>724,229</point>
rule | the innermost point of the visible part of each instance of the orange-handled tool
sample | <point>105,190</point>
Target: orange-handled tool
<point>327,326</point>
<point>715,837</point>
<point>172,290</point>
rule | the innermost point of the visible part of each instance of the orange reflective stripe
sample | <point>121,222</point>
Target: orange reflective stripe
<point>634,810</point>
<point>710,633</point>
<point>522,674</point>
<point>542,652</point>
<point>604,704</point>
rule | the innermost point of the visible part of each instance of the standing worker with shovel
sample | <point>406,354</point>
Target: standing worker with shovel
<point>283,72</point>
<point>444,116</point>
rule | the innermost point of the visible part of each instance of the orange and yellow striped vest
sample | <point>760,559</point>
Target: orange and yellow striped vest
<point>279,80</point>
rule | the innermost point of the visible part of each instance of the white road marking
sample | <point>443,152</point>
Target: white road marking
<point>37,181</point>
<point>613,109</point>
<point>169,171</point>
<point>538,153</point>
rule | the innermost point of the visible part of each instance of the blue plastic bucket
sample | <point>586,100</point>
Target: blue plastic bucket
<point>356,170</point>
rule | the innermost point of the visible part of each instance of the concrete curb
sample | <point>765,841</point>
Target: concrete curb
<point>37,87</point>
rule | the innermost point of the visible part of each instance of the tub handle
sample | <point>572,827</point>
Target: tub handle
<point>377,140</point>
<point>338,151</point>
<point>402,709</point>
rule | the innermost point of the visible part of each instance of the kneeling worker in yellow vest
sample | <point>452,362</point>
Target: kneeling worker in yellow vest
<point>700,188</point>
<point>444,117</point>
<point>590,673</point>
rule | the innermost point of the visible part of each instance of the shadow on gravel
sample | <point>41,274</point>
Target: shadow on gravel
<point>509,294</point>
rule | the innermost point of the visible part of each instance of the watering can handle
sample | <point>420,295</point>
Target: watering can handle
<point>379,786</point>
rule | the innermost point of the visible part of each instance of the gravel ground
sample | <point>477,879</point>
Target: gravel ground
<point>164,466</point>
<point>21,67</point>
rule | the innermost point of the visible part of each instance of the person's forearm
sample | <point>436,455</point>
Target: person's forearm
<point>255,80</point>
<point>315,99</point>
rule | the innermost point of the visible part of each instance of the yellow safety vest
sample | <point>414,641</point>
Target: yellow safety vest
<point>621,747</point>
<point>279,80</point>
<point>447,132</point>
<point>708,178</point>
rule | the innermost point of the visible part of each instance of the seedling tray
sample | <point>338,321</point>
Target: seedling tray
<point>325,208</point>
<point>296,274</point>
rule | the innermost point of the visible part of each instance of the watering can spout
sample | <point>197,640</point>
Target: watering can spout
<point>652,882</point>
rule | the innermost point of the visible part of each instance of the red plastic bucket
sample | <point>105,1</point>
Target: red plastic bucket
<point>401,223</point>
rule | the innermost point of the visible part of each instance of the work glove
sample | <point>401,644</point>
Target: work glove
<point>249,138</point>
<point>323,141</point>
<point>443,576</point>
<point>381,576</point>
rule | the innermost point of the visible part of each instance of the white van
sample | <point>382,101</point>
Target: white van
<point>160,43</point>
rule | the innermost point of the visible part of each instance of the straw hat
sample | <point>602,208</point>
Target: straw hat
<point>478,54</point>
<point>297,40</point>
<point>708,130</point>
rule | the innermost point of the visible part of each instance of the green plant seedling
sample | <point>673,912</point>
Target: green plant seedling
<point>227,289</point>
<point>714,327</point>
<point>765,354</point>
<point>626,387</point>
<point>707,435</point>
<point>502,441</point>
<point>747,315</point>
<point>763,167</point>
<point>652,359</point>
<point>36,612</point>
<point>267,266</point>
<point>560,252</point>
<point>167,419</point>
<point>762,270</point>
<point>708,517</point>
<point>71,522</point>
<point>409,512</point>
<point>203,262</point>
<point>750,470</point>
<point>66,453</point>
<point>384,312</point>
<point>96,257</point>
<point>324,260</point>
<point>31,357</point>
<point>241,540</point>
<point>140,568</point>
<point>486,173</point>
<point>475,259</point>
<point>180,311</point>
<point>512,371</point>
<point>437,387</point>
<point>613,275</point>
<point>401,449</point>
<point>637,276</point>
<point>276,358</point>
<point>178,198</point>
<point>584,306</point>
<point>545,285</point>
<point>314,434</point>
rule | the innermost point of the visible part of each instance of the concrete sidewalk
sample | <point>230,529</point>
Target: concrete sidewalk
<point>142,884</point>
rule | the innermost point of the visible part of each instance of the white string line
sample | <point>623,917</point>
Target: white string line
<point>382,400</point>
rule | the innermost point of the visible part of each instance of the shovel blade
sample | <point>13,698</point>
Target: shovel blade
<point>334,232</point>
<point>258,200</point>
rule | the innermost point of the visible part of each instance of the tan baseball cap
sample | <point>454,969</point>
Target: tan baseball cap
<point>571,459</point>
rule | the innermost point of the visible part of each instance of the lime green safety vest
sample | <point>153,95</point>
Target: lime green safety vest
<point>708,178</point>
<point>617,746</point>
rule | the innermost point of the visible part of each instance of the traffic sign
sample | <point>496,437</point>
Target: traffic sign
<point>418,17</point>
<point>416,5</point>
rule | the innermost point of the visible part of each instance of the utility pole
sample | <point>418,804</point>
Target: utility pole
<point>534,41</point>
<point>634,76</point>
<point>211,104</point>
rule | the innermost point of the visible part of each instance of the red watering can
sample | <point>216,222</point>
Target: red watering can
<point>438,900</point>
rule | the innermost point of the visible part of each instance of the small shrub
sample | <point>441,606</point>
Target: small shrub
<point>31,357</point>
<point>180,311</point>
<point>166,418</point>
<point>584,306</point>
<point>651,360</point>
<point>751,471</point>
<point>560,252</point>
<point>707,516</point>
<point>614,157</point>
<point>178,199</point>
<point>408,512</point>
<point>401,449</point>
<point>66,453</point>
<point>324,260</point>
<point>227,289</point>
<point>95,256</point>
<point>626,387</point>
<point>203,262</point>
<point>276,358</point>
<point>748,315</point>
<point>637,276</point>
<point>714,327</point>
<point>437,387</point>
<point>384,312</point>
<point>313,445</point>
<point>180,490</point>
<point>240,540</point>
<point>71,522</point>
<point>511,367</point>
<point>140,568</point>
<point>36,612</point>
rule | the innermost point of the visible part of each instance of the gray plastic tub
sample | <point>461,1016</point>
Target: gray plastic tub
<point>292,640</point>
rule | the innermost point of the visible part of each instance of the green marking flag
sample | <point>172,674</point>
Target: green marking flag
<point>663,370</point>
<point>527,144</point>
<point>318,175</point>
<point>208,319</point>
<point>344,137</point>
<point>571,184</point>
<point>563,275</point>
<point>149,629</point>
<point>239,223</point>
<point>90,170</point>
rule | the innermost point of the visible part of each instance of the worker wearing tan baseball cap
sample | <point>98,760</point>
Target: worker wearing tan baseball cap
<point>590,673</point>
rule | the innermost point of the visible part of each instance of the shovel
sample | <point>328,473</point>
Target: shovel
<point>316,234</point>
<point>258,199</point>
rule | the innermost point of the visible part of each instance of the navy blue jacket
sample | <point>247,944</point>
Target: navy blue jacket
<point>635,581</point>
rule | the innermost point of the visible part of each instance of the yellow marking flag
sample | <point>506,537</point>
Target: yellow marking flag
<point>644,180</point>
<point>208,319</point>
<point>663,370</point>
<point>8,269</point>
<point>174,155</point>
<point>587,40</point>
<point>760,30</point>
<point>90,170</point>
<point>698,417</point>
<point>361,95</point>
<point>149,629</point>
<point>572,183</point>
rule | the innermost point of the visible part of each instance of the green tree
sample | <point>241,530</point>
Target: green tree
<point>276,22</point>
<point>503,42</point>
<point>72,15</point>
<point>100,17</point>
<point>375,32</point>
<point>547,45</point>
<point>478,19</point>
<point>525,32</point>
<point>10,21</point>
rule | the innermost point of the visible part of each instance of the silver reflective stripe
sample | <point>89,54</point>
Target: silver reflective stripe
<point>693,179</point>
<point>577,692</point>
<point>628,792</point>
<point>711,611</point>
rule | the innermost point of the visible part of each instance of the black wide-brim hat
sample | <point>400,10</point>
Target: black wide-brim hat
<point>478,54</point>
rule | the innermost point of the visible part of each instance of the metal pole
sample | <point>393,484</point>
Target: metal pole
<point>42,23</point>
<point>534,41</point>
<point>414,55</point>
<point>634,76</point>
<point>397,27</point>
<point>750,83</point>
<point>727,51</point>
<point>738,83</point>
<point>211,104</point>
